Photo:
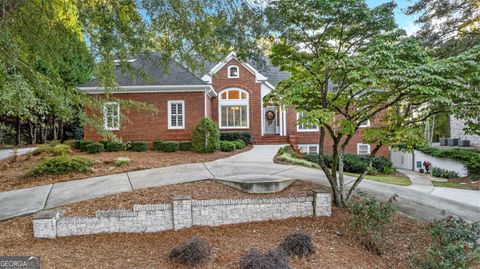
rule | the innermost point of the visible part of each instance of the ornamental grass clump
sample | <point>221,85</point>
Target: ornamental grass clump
<point>194,251</point>
<point>272,259</point>
<point>297,244</point>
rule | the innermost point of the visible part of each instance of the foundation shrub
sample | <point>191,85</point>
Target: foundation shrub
<point>95,148</point>
<point>114,146</point>
<point>236,135</point>
<point>170,146</point>
<point>185,146</point>
<point>138,146</point>
<point>227,146</point>
<point>158,145</point>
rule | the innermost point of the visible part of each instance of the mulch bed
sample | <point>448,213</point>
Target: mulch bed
<point>335,246</point>
<point>13,171</point>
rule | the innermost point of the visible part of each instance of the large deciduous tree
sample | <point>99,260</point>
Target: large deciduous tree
<point>349,64</point>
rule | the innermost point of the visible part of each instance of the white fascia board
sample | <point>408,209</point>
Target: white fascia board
<point>258,76</point>
<point>149,88</point>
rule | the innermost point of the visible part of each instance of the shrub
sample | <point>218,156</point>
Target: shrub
<point>206,136</point>
<point>114,146</point>
<point>61,165</point>
<point>53,143</point>
<point>41,149</point>
<point>71,143</point>
<point>297,244</point>
<point>454,245</point>
<point>77,143</point>
<point>185,145</point>
<point>356,163</point>
<point>283,150</point>
<point>138,146</point>
<point>239,144</point>
<point>192,252</point>
<point>83,144</point>
<point>444,173</point>
<point>95,148</point>
<point>470,158</point>
<point>158,145</point>
<point>236,135</point>
<point>370,219</point>
<point>170,146</point>
<point>288,157</point>
<point>121,161</point>
<point>61,149</point>
<point>273,259</point>
<point>227,146</point>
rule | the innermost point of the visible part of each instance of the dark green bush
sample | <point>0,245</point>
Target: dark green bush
<point>206,137</point>
<point>356,163</point>
<point>170,146</point>
<point>227,146</point>
<point>470,158</point>
<point>72,143</point>
<point>138,146</point>
<point>83,144</point>
<point>114,146</point>
<point>77,143</point>
<point>61,165</point>
<point>158,145</point>
<point>237,135</point>
<point>444,173</point>
<point>455,245</point>
<point>370,220</point>
<point>185,145</point>
<point>239,144</point>
<point>95,148</point>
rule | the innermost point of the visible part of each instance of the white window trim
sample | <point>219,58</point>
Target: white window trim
<point>170,102</point>
<point>361,144</point>
<point>365,125</point>
<point>308,147</point>
<point>238,102</point>
<point>105,116</point>
<point>238,71</point>
<point>316,129</point>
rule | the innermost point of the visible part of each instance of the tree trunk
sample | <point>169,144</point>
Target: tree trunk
<point>55,128</point>
<point>61,131</point>
<point>18,138</point>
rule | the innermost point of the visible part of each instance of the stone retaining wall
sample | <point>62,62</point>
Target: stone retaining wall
<point>183,212</point>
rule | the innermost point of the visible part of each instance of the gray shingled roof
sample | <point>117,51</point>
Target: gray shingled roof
<point>156,73</point>
<point>173,73</point>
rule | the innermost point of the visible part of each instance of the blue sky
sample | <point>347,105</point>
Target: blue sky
<point>404,21</point>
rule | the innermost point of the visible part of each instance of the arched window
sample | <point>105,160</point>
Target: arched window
<point>233,71</point>
<point>233,109</point>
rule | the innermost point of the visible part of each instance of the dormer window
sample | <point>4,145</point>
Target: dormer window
<point>233,71</point>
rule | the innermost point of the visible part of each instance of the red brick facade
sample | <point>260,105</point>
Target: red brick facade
<point>142,125</point>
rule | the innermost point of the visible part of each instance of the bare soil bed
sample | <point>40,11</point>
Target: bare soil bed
<point>335,247</point>
<point>13,171</point>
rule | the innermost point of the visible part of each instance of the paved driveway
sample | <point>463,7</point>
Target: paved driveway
<point>259,160</point>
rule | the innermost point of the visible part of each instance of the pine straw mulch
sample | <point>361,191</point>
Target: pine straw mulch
<point>13,171</point>
<point>335,246</point>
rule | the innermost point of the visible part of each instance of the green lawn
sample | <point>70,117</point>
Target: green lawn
<point>394,180</point>
<point>454,185</point>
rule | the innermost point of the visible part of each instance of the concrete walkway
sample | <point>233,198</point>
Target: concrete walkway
<point>5,153</point>
<point>259,160</point>
<point>419,183</point>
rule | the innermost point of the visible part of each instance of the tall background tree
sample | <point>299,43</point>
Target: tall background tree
<point>350,63</point>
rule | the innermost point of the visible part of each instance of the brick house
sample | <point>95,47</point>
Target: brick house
<point>231,93</point>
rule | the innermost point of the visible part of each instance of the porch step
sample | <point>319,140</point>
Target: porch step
<point>272,139</point>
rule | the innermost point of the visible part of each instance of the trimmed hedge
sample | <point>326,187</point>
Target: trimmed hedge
<point>239,144</point>
<point>470,158</point>
<point>61,165</point>
<point>206,136</point>
<point>444,173</point>
<point>227,146</point>
<point>237,135</point>
<point>95,148</point>
<point>138,146</point>
<point>170,146</point>
<point>356,163</point>
<point>84,143</point>
<point>158,145</point>
<point>185,145</point>
<point>114,146</point>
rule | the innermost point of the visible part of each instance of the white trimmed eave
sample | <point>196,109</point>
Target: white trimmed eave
<point>258,76</point>
<point>152,89</point>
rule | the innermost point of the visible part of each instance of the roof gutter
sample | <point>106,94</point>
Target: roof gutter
<point>151,89</point>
